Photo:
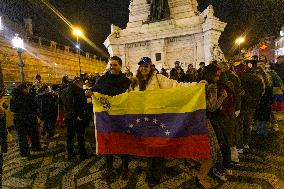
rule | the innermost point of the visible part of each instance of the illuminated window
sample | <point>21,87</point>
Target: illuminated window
<point>1,26</point>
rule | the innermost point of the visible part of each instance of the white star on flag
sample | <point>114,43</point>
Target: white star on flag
<point>163,125</point>
<point>138,120</point>
<point>155,120</point>
<point>167,132</point>
<point>131,125</point>
<point>146,119</point>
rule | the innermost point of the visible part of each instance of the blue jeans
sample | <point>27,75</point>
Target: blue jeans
<point>49,126</point>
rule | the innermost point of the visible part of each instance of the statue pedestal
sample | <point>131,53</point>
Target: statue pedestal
<point>188,36</point>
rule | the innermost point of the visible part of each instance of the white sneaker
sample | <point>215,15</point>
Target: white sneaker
<point>55,136</point>
<point>229,172</point>
<point>240,150</point>
<point>246,146</point>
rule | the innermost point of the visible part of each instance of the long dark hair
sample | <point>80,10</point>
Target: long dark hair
<point>210,72</point>
<point>141,82</point>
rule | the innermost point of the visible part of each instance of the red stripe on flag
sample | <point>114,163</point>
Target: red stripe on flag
<point>196,146</point>
<point>278,106</point>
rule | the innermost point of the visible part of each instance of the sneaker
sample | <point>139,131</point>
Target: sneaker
<point>246,146</point>
<point>55,136</point>
<point>228,172</point>
<point>240,150</point>
<point>219,175</point>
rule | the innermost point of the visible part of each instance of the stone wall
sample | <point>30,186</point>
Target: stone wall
<point>47,59</point>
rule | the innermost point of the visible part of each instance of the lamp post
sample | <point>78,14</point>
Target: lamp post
<point>18,43</point>
<point>239,41</point>
<point>78,33</point>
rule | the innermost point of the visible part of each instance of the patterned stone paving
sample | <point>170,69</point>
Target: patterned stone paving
<point>260,167</point>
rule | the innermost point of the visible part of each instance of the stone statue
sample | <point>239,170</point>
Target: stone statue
<point>159,10</point>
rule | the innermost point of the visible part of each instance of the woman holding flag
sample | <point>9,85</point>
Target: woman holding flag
<point>148,79</point>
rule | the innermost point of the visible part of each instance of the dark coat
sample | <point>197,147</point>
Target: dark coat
<point>263,109</point>
<point>23,104</point>
<point>3,133</point>
<point>112,85</point>
<point>253,88</point>
<point>46,105</point>
<point>74,101</point>
<point>279,69</point>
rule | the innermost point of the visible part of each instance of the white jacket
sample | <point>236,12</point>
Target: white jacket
<point>159,81</point>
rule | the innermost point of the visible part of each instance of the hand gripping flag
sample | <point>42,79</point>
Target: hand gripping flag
<point>158,123</point>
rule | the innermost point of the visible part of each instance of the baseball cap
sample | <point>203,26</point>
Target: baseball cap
<point>145,60</point>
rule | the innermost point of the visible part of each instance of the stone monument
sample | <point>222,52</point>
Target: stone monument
<point>167,31</point>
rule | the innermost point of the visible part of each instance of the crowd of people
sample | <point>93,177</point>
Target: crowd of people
<point>239,97</point>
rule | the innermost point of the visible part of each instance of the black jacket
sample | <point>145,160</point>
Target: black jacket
<point>46,105</point>
<point>22,104</point>
<point>74,101</point>
<point>112,85</point>
<point>3,134</point>
<point>253,89</point>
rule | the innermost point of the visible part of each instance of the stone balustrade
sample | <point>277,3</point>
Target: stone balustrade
<point>49,59</point>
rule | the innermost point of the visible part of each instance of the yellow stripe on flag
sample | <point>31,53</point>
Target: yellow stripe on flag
<point>175,100</point>
<point>277,91</point>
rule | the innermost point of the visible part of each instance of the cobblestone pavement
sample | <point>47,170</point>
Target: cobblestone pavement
<point>261,167</point>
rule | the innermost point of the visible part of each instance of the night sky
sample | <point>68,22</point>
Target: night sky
<point>255,18</point>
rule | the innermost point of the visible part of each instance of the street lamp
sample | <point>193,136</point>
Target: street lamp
<point>239,41</point>
<point>78,33</point>
<point>18,43</point>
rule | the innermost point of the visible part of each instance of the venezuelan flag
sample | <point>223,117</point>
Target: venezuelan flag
<point>158,123</point>
<point>278,100</point>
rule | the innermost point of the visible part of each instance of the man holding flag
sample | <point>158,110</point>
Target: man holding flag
<point>113,83</point>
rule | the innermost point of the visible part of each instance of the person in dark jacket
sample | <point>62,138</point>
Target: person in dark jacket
<point>179,76</point>
<point>253,89</point>
<point>263,110</point>
<point>173,71</point>
<point>24,107</point>
<point>47,111</point>
<point>113,83</point>
<point>200,71</point>
<point>191,74</point>
<point>75,112</point>
<point>279,67</point>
